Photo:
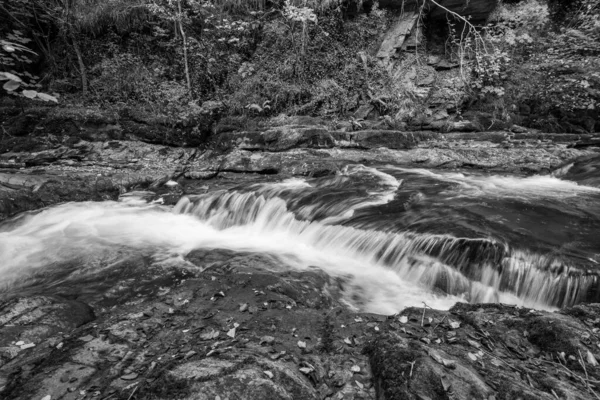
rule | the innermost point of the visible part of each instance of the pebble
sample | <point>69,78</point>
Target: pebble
<point>301,344</point>
<point>27,346</point>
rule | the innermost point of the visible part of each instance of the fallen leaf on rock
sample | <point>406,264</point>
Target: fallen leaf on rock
<point>475,344</point>
<point>360,385</point>
<point>129,377</point>
<point>20,343</point>
<point>209,315</point>
<point>454,324</point>
<point>231,333</point>
<point>267,340</point>
<point>446,384</point>
<point>348,341</point>
<point>277,356</point>
<point>212,334</point>
<point>189,354</point>
<point>301,344</point>
<point>591,359</point>
<point>496,362</point>
<point>269,374</point>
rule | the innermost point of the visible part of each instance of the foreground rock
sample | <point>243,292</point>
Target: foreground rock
<point>219,325</point>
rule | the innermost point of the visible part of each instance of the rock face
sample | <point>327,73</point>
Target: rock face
<point>478,10</point>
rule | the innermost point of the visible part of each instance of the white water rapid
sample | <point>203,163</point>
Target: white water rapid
<point>308,224</point>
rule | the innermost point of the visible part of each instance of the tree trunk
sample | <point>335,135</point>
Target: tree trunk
<point>185,56</point>
<point>82,71</point>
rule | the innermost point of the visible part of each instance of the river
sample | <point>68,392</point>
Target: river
<point>392,237</point>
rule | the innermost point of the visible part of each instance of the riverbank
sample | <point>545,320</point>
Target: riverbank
<point>96,167</point>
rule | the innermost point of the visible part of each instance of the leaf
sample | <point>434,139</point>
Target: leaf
<point>8,76</point>
<point>454,324</point>
<point>8,48</point>
<point>11,86</point>
<point>30,94</point>
<point>591,359</point>
<point>47,97</point>
<point>210,335</point>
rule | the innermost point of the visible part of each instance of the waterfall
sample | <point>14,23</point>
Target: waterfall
<point>351,225</point>
<point>479,270</point>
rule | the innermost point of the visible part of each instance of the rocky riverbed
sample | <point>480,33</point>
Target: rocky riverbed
<point>235,330</point>
<point>76,169</point>
<point>219,324</point>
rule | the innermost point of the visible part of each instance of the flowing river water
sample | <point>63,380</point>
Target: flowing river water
<point>396,237</point>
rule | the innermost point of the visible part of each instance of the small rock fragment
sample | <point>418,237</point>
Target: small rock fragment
<point>355,368</point>
<point>403,319</point>
<point>243,307</point>
<point>301,344</point>
<point>27,346</point>
<point>269,374</point>
<point>47,397</point>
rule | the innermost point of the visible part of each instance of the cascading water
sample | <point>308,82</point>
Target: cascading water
<point>397,237</point>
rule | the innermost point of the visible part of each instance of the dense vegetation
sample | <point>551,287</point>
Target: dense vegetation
<point>532,62</point>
